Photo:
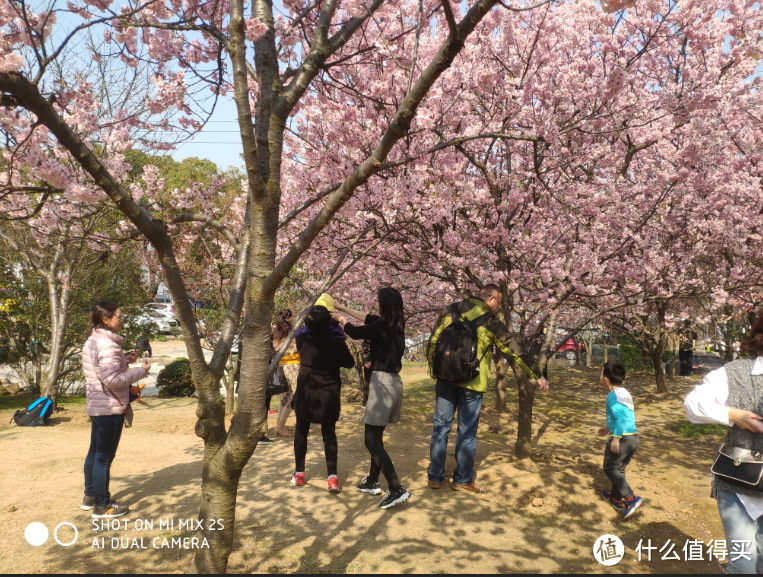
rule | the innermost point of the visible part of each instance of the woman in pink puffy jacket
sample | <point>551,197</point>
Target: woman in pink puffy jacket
<point>108,388</point>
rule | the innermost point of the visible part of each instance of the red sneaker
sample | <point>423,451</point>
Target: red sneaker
<point>271,413</point>
<point>298,479</point>
<point>334,485</point>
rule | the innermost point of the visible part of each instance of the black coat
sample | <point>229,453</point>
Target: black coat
<point>319,384</point>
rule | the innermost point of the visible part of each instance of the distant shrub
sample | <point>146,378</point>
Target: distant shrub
<point>632,357</point>
<point>175,379</point>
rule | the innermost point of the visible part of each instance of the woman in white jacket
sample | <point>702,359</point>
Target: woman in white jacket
<point>733,396</point>
<point>108,382</point>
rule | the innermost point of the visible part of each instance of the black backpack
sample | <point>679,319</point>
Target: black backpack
<point>38,413</point>
<point>455,354</point>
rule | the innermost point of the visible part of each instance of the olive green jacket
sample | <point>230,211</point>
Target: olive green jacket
<point>493,332</point>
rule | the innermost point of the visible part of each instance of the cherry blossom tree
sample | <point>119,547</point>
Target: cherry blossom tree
<point>197,52</point>
<point>601,175</point>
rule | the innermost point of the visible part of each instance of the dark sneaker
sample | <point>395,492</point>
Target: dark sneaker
<point>616,503</point>
<point>88,503</point>
<point>111,512</point>
<point>370,488</point>
<point>392,498</point>
<point>265,441</point>
<point>630,505</point>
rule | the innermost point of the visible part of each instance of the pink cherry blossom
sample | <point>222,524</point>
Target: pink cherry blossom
<point>255,29</point>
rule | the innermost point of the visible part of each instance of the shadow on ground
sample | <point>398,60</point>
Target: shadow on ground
<point>535,515</point>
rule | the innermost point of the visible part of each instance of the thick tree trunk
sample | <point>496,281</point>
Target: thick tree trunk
<point>659,374</point>
<point>501,372</point>
<point>37,366</point>
<point>523,447</point>
<point>659,349</point>
<point>60,318</point>
<point>59,304</point>
<point>225,455</point>
<point>357,357</point>
<point>728,353</point>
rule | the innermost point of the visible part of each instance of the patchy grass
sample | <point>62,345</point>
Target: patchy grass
<point>694,431</point>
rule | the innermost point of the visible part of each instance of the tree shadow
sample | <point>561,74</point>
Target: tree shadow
<point>535,515</point>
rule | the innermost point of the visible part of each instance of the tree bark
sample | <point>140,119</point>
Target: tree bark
<point>230,399</point>
<point>523,447</point>
<point>659,374</point>
<point>728,340</point>
<point>659,350</point>
<point>501,372</point>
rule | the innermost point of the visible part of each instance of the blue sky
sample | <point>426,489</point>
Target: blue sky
<point>219,141</point>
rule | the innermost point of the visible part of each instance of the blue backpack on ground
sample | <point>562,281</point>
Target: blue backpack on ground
<point>38,413</point>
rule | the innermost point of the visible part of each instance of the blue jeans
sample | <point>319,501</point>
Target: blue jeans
<point>448,399</point>
<point>739,526</point>
<point>105,432</point>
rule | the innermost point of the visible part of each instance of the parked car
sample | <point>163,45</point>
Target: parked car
<point>163,308</point>
<point>164,298</point>
<point>704,362</point>
<point>164,323</point>
<point>567,350</point>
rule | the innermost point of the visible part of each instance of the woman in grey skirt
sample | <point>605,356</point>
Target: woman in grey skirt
<point>385,332</point>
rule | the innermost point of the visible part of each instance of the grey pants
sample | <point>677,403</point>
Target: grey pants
<point>614,465</point>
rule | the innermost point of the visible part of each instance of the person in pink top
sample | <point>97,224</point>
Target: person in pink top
<point>108,382</point>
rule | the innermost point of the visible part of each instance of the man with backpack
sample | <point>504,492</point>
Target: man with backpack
<point>459,353</point>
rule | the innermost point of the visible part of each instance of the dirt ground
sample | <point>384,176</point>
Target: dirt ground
<point>542,515</point>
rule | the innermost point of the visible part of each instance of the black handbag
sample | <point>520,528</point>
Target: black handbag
<point>737,466</point>
<point>741,467</point>
<point>278,383</point>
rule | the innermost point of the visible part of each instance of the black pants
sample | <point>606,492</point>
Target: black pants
<point>330,446</point>
<point>366,381</point>
<point>614,465</point>
<point>380,460</point>
<point>684,358</point>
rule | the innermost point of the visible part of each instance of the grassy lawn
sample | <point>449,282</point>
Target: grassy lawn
<point>23,400</point>
<point>694,431</point>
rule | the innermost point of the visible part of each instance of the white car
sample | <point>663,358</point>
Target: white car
<point>164,323</point>
<point>162,308</point>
